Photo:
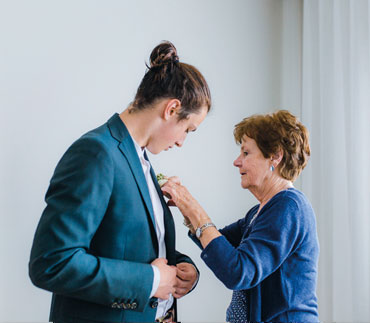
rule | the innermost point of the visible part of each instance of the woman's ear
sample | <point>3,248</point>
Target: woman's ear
<point>276,158</point>
<point>171,108</point>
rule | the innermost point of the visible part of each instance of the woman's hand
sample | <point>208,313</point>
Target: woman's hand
<point>188,224</point>
<point>189,207</point>
<point>191,210</point>
<point>173,179</point>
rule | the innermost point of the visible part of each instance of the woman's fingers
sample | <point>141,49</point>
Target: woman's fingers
<point>167,190</point>
<point>177,194</point>
<point>171,189</point>
<point>166,194</point>
<point>171,203</point>
<point>174,179</point>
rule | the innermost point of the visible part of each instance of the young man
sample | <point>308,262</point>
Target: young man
<point>105,244</point>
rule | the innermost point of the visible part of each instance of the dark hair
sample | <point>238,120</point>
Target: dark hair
<point>279,131</point>
<point>167,77</point>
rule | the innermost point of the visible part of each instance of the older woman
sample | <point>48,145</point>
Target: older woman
<point>268,258</point>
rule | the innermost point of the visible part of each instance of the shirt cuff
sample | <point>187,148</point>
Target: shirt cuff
<point>156,280</point>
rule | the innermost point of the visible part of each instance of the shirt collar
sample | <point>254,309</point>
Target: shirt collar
<point>140,151</point>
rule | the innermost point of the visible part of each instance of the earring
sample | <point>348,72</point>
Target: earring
<point>272,168</point>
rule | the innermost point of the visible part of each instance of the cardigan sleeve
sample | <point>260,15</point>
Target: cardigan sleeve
<point>233,233</point>
<point>275,235</point>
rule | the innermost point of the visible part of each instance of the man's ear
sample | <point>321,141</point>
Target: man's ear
<point>171,108</point>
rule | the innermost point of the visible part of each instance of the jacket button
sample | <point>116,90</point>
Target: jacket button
<point>154,304</point>
<point>133,305</point>
<point>114,305</point>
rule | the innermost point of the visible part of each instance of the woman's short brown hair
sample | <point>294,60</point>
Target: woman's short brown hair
<point>167,77</point>
<point>279,131</point>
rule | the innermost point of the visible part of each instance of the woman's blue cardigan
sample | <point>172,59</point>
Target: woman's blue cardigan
<point>274,259</point>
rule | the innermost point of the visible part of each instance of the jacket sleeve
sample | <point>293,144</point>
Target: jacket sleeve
<point>183,258</point>
<point>273,238</point>
<point>77,200</point>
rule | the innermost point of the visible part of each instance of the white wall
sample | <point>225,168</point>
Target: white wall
<point>67,66</point>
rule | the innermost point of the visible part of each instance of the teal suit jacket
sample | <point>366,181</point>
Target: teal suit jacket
<point>96,237</point>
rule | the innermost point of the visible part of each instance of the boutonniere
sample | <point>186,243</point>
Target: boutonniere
<point>162,179</point>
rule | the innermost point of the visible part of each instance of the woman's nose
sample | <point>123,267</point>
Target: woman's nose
<point>237,162</point>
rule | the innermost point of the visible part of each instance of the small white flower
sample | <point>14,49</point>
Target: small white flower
<point>162,179</point>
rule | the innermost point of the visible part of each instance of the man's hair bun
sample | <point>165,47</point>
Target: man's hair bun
<point>164,53</point>
<point>166,77</point>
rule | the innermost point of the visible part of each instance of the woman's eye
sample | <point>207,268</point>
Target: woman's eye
<point>245,153</point>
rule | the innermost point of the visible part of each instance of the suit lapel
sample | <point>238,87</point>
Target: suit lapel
<point>128,149</point>
<point>119,131</point>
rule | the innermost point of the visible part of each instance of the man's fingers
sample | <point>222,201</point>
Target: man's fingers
<point>181,290</point>
<point>182,283</point>
<point>180,293</point>
<point>182,287</point>
<point>159,261</point>
<point>184,278</point>
<point>177,295</point>
<point>182,265</point>
<point>184,275</point>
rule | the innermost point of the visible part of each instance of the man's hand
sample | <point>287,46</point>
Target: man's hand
<point>168,278</point>
<point>186,277</point>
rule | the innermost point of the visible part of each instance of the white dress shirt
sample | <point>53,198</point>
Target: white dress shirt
<point>163,305</point>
